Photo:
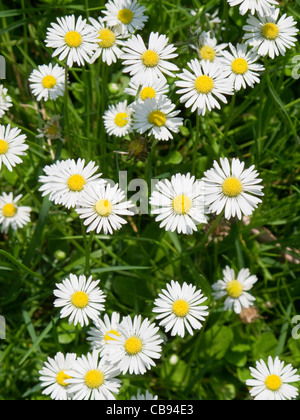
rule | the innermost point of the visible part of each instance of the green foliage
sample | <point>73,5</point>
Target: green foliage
<point>134,264</point>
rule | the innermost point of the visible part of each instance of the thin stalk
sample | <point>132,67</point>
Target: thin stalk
<point>212,228</point>
<point>197,135</point>
<point>66,116</point>
<point>88,240</point>
<point>25,185</point>
<point>103,105</point>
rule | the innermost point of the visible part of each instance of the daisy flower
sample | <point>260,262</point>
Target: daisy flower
<point>53,375</point>
<point>147,90</point>
<point>150,63</point>
<point>11,214</point>
<point>263,7</point>
<point>93,378</point>
<point>47,82</point>
<point>241,67</point>
<point>157,116</point>
<point>203,85</point>
<point>80,299</point>
<point>66,180</point>
<point>117,119</point>
<point>270,36</point>
<point>109,42</point>
<point>128,14</point>
<point>5,101</point>
<point>101,207</point>
<point>179,203</point>
<point>233,188</point>
<point>208,48</point>
<point>272,381</point>
<point>12,146</point>
<point>146,396</point>
<point>99,336</point>
<point>180,307</point>
<point>137,346</point>
<point>235,289</point>
<point>72,40</point>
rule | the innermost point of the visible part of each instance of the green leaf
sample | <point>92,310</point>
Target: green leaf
<point>17,263</point>
<point>265,345</point>
<point>217,341</point>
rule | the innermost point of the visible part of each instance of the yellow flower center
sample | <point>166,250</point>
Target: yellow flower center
<point>103,207</point>
<point>182,204</point>
<point>80,300</point>
<point>273,382</point>
<point>107,37</point>
<point>180,308</point>
<point>150,58</point>
<point>49,82</point>
<point>76,183</point>
<point>133,345</point>
<point>147,92</point>
<point>61,377</point>
<point>234,289</point>
<point>108,337</point>
<point>73,39</point>
<point>157,118</point>
<point>204,84</point>
<point>121,119</point>
<point>136,147</point>
<point>94,379</point>
<point>3,147</point>
<point>270,31</point>
<point>125,16</point>
<point>9,210</point>
<point>239,66</point>
<point>207,53</point>
<point>232,187</point>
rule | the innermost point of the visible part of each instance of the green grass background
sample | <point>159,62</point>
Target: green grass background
<point>260,127</point>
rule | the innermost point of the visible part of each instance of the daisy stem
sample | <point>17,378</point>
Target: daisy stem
<point>88,247</point>
<point>25,185</point>
<point>153,142</point>
<point>212,228</point>
<point>88,110</point>
<point>196,143</point>
<point>103,105</point>
<point>66,119</point>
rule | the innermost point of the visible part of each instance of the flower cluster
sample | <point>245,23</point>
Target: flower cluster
<point>121,345</point>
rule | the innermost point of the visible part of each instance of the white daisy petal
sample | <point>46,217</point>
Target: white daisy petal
<point>80,299</point>
<point>148,64</point>
<point>235,288</point>
<point>5,101</point>
<point>127,14</point>
<point>74,41</point>
<point>181,310</point>
<point>179,204</point>
<point>47,82</point>
<point>225,188</point>
<point>157,116</point>
<point>12,146</point>
<point>65,181</point>
<point>93,378</point>
<point>138,345</point>
<point>101,207</point>
<point>268,35</point>
<point>200,88</point>
<point>11,214</point>
<point>53,375</point>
